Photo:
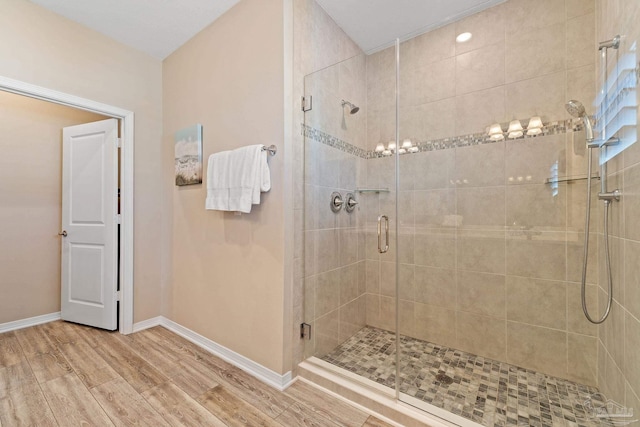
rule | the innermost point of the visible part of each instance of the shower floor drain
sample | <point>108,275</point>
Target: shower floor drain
<point>444,379</point>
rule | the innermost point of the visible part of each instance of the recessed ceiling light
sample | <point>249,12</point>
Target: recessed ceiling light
<point>463,37</point>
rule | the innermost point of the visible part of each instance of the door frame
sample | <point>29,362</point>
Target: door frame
<point>125,272</point>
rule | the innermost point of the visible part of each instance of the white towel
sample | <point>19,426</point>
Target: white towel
<point>236,178</point>
<point>243,177</point>
<point>218,181</point>
<point>263,176</point>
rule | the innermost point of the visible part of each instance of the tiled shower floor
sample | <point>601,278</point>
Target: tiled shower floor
<point>486,391</point>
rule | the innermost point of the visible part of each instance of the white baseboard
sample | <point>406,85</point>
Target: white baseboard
<point>146,324</point>
<point>266,375</point>
<point>31,321</point>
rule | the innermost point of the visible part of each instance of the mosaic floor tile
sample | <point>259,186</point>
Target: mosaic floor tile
<point>486,391</point>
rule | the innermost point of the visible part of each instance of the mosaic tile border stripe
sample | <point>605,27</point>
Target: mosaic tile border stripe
<point>551,128</point>
<point>332,141</point>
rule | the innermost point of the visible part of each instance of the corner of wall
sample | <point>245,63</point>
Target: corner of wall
<point>227,276</point>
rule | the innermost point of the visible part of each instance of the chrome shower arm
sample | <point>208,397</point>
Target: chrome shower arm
<point>613,43</point>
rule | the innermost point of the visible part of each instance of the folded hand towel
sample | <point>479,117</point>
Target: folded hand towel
<point>237,177</point>
<point>218,181</point>
<point>263,176</point>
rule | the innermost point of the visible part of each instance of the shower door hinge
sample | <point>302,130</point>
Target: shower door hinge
<point>304,103</point>
<point>119,142</point>
<point>305,331</point>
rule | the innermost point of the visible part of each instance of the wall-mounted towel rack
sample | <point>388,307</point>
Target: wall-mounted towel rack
<point>272,149</point>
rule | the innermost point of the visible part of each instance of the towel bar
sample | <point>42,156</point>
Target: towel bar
<point>272,149</point>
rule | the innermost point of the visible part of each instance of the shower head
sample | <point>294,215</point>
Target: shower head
<point>576,109</point>
<point>352,108</point>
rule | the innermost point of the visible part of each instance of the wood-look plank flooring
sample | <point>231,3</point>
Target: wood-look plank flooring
<point>62,374</point>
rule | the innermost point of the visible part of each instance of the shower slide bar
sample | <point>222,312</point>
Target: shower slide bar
<point>576,109</point>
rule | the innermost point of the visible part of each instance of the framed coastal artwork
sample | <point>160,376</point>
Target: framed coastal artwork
<point>188,155</point>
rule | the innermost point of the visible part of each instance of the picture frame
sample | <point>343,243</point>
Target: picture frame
<point>188,155</point>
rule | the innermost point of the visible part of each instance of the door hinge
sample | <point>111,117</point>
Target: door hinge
<point>305,331</point>
<point>119,142</point>
<point>118,295</point>
<point>119,219</point>
<point>304,103</point>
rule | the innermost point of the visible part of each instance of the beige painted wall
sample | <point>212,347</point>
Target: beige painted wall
<point>30,181</point>
<point>228,271</point>
<point>42,48</point>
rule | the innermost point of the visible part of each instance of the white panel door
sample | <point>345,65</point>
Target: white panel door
<point>89,224</point>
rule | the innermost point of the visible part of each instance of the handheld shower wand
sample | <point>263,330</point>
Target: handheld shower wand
<point>576,109</point>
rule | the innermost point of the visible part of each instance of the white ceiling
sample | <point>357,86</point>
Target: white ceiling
<point>375,24</point>
<point>159,27</point>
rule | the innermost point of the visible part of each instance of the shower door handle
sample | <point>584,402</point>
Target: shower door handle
<point>386,234</point>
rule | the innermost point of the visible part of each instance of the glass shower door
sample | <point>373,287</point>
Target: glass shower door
<point>491,210</point>
<point>335,157</point>
<point>349,218</point>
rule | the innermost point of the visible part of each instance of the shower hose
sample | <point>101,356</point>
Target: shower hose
<point>586,250</point>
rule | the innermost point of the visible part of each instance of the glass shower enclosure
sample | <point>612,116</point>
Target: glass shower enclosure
<point>443,220</point>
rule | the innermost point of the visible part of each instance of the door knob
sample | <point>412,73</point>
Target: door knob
<point>63,233</point>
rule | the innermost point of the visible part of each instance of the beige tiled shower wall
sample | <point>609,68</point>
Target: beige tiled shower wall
<point>318,43</point>
<point>490,255</point>
<point>619,335</point>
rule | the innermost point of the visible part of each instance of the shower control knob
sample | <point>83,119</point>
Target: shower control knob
<point>336,202</point>
<point>351,203</point>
